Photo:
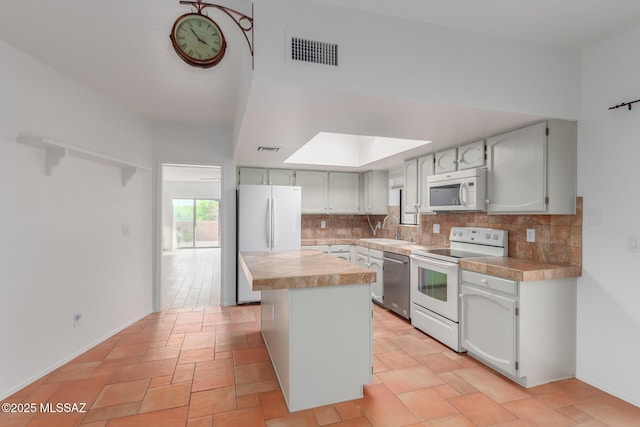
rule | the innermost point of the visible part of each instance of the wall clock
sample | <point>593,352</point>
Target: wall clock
<point>198,40</point>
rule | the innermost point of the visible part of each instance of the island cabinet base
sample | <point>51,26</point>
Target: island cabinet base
<point>320,342</point>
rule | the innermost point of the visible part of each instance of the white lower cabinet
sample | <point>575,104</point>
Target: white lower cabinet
<point>524,330</point>
<point>303,342</point>
<point>372,259</point>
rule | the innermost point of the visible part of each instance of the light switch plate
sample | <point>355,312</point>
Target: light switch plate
<point>531,234</point>
<point>633,243</point>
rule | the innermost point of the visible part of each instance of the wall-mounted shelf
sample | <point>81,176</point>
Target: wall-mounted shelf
<point>55,151</point>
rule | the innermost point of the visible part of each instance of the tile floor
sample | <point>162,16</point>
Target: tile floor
<point>199,365</point>
<point>191,278</point>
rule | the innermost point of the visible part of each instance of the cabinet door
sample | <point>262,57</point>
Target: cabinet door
<point>471,155</point>
<point>255,176</point>
<point>488,327</point>
<point>410,193</point>
<point>446,161</point>
<point>377,288</point>
<point>516,163</point>
<point>425,169</point>
<point>374,192</point>
<point>281,177</point>
<point>315,191</point>
<point>344,192</point>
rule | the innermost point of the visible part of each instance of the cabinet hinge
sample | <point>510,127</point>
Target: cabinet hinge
<point>517,311</point>
<point>547,132</point>
<point>546,200</point>
<point>517,366</point>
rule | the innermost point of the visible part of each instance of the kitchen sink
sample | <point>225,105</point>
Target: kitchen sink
<point>382,241</point>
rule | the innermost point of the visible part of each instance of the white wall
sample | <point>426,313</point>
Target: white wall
<point>608,145</point>
<point>402,58</point>
<point>198,145</point>
<point>62,249</point>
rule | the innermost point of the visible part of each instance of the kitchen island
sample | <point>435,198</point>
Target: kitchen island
<point>316,322</point>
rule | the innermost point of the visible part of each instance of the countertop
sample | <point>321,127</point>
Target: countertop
<point>299,269</point>
<point>520,269</point>
<point>402,248</point>
<point>505,267</point>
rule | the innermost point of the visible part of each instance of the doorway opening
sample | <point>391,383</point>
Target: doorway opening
<point>191,229</point>
<point>195,223</point>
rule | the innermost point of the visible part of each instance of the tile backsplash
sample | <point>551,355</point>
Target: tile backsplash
<point>558,237</point>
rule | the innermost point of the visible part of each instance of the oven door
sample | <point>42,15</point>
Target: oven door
<point>434,286</point>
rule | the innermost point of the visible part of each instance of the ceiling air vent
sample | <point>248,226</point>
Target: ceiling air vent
<point>274,149</point>
<point>317,52</point>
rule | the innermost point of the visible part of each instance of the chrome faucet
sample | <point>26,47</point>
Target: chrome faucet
<point>384,222</point>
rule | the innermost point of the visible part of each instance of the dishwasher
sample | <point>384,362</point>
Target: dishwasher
<point>396,283</point>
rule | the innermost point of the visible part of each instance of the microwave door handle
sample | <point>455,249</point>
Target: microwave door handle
<point>461,193</point>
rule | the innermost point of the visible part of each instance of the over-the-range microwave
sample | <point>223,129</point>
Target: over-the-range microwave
<point>463,190</point>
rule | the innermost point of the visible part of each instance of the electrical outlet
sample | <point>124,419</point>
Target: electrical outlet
<point>531,234</point>
<point>76,319</point>
<point>633,243</point>
<point>436,228</point>
<point>379,224</point>
<point>125,229</point>
<point>323,224</point>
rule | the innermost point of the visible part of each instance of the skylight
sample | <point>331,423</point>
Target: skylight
<point>337,149</point>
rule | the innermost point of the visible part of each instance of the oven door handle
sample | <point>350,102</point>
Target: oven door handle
<point>394,260</point>
<point>445,264</point>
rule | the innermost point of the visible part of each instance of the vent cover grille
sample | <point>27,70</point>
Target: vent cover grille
<point>313,51</point>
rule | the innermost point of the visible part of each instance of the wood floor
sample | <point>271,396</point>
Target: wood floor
<point>196,364</point>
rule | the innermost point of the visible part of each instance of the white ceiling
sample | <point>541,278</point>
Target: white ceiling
<point>555,23</point>
<point>121,48</point>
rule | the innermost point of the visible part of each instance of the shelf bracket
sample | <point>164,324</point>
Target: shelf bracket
<point>127,173</point>
<point>52,158</point>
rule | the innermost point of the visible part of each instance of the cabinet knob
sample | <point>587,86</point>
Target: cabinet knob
<point>484,281</point>
<point>487,201</point>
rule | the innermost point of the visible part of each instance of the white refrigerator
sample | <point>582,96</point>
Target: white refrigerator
<point>268,219</point>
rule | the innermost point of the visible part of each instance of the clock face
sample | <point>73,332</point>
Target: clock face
<point>198,40</point>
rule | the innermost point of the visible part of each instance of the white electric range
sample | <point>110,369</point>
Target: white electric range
<point>435,276</point>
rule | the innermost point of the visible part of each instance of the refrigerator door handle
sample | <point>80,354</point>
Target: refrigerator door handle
<point>273,223</point>
<point>269,222</point>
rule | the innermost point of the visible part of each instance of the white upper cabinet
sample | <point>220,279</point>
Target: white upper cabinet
<point>516,163</point>
<point>374,192</point>
<point>344,192</point>
<point>255,176</point>
<point>329,192</point>
<point>446,161</point>
<point>410,193</point>
<point>533,169</point>
<point>315,191</point>
<point>281,176</point>
<point>425,169</point>
<point>471,155</point>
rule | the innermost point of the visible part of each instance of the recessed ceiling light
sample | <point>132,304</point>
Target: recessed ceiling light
<point>338,149</point>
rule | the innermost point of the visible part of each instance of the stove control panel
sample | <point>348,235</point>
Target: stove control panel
<point>479,235</point>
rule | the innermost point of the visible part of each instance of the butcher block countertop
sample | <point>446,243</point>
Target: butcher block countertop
<point>520,269</point>
<point>299,269</point>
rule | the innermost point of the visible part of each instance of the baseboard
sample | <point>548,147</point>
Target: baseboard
<point>69,358</point>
